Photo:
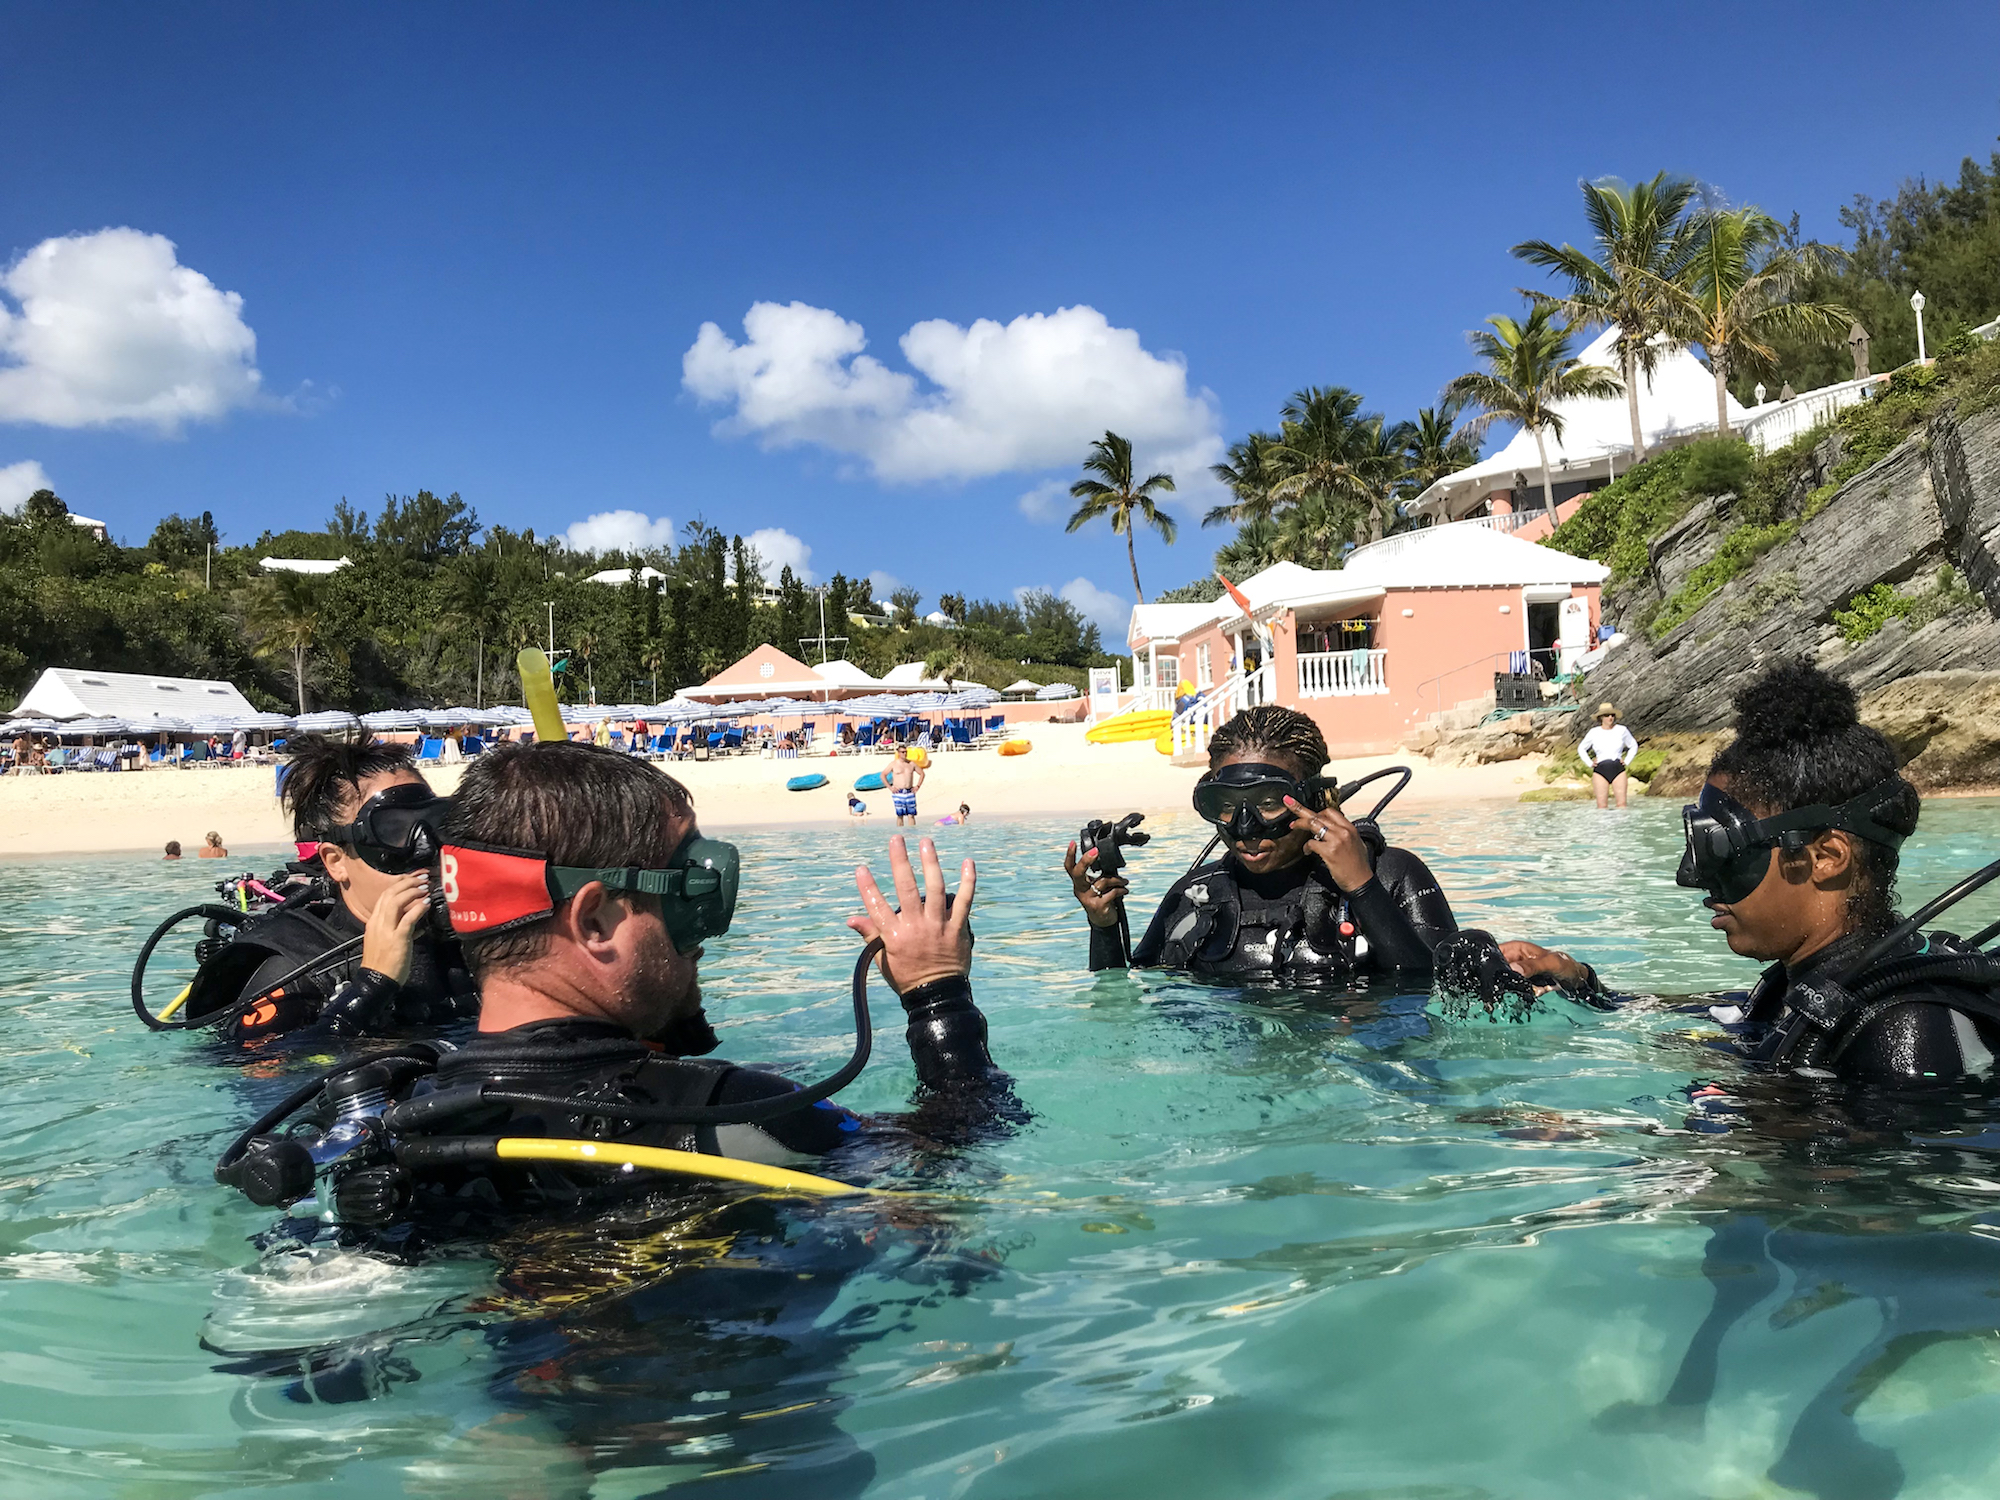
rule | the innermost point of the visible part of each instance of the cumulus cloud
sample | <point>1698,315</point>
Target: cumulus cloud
<point>883,584</point>
<point>110,328</point>
<point>1047,501</point>
<point>18,481</point>
<point>619,531</point>
<point>778,549</point>
<point>1108,611</point>
<point>989,399</point>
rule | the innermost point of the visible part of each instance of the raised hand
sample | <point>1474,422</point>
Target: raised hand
<point>1103,898</point>
<point>930,938</point>
<point>1337,844</point>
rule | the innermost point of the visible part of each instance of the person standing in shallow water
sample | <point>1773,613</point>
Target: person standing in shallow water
<point>1301,890</point>
<point>1608,750</point>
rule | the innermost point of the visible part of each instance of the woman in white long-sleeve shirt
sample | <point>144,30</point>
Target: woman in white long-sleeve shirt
<point>1608,750</point>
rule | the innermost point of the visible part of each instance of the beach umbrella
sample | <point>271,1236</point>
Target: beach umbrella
<point>390,720</point>
<point>262,720</point>
<point>325,719</point>
<point>1054,692</point>
<point>92,727</point>
<point>509,714</point>
<point>28,726</point>
<point>213,724</point>
<point>1022,686</point>
<point>976,696</point>
<point>583,713</point>
<point>158,724</point>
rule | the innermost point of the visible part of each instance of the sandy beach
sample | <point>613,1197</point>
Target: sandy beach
<point>1063,774</point>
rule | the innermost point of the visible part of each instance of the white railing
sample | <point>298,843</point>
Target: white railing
<point>1776,423</point>
<point>1192,726</point>
<point>1342,674</point>
<point>1512,521</point>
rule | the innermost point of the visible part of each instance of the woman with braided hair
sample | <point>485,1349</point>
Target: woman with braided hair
<point>1794,841</point>
<point>1301,890</point>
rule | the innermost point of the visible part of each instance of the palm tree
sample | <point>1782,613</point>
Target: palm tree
<point>1529,369</point>
<point>1328,447</point>
<point>472,592</point>
<point>287,612</point>
<point>1113,494</point>
<point>1644,237</point>
<point>1733,297</point>
<point>1318,529</point>
<point>1254,548</point>
<point>1248,475</point>
<point>584,644</point>
<point>1435,446</point>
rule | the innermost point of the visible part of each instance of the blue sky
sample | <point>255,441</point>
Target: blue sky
<point>475,245</point>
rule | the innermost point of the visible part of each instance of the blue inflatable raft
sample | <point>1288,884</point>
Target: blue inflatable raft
<point>805,783</point>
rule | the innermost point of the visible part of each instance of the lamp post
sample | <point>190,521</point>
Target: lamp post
<point>1917,306</point>
<point>1760,393</point>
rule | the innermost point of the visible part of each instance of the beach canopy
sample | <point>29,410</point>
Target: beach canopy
<point>69,693</point>
<point>1054,692</point>
<point>325,719</point>
<point>1022,685</point>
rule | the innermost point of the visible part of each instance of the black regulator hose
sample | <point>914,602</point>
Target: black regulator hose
<point>427,1111</point>
<point>213,911</point>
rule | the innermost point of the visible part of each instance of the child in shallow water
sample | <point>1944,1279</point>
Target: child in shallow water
<point>963,815</point>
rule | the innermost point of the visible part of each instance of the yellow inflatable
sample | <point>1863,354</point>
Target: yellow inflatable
<point>1016,747</point>
<point>1139,724</point>
<point>918,755</point>
<point>1165,743</point>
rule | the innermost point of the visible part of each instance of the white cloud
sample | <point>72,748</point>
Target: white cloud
<point>619,531</point>
<point>112,328</point>
<point>18,481</point>
<point>779,549</point>
<point>992,399</point>
<point>1047,501</point>
<point>883,584</point>
<point>1112,612</point>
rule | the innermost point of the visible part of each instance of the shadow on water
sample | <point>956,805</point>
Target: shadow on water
<point>1322,1245</point>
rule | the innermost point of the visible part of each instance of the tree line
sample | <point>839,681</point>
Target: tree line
<point>1669,265</point>
<point>434,604</point>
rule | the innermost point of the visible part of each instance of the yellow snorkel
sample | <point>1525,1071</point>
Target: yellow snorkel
<point>538,691</point>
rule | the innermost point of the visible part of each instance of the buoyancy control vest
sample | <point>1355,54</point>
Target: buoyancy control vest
<point>1219,923</point>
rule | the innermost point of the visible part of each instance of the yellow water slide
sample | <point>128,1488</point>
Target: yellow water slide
<point>1139,724</point>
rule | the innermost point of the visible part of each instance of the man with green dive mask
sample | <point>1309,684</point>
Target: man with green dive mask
<point>583,892</point>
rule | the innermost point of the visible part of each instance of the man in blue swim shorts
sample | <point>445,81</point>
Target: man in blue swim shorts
<point>904,776</point>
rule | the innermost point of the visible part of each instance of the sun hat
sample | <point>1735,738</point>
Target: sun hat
<point>1606,708</point>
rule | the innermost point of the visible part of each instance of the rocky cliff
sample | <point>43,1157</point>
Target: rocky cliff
<point>1933,503</point>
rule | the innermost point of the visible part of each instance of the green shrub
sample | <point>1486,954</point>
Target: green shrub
<point>1646,762</point>
<point>1718,466</point>
<point>1868,613</point>
<point>1739,549</point>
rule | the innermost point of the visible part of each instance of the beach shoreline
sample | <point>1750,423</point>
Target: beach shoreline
<point>115,812</point>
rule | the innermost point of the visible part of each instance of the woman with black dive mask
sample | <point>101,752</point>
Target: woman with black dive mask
<point>1794,838</point>
<point>1302,891</point>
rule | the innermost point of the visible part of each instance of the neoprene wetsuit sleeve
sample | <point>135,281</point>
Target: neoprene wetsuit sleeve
<point>961,1092</point>
<point>1104,950</point>
<point>1402,912</point>
<point>1919,1044</point>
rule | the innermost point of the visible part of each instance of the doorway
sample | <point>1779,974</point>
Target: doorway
<point>1544,631</point>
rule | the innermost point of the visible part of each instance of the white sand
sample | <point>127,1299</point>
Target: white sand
<point>141,810</point>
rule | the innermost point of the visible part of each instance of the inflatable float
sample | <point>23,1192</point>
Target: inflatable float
<point>1139,724</point>
<point>872,782</point>
<point>805,783</point>
<point>1017,747</point>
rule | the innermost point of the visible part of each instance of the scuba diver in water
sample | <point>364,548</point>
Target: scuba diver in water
<point>1302,892</point>
<point>1794,840</point>
<point>1869,1045</point>
<point>358,903</point>
<point>653,1320</point>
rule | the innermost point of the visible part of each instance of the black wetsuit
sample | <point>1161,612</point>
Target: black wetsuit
<point>1223,921</point>
<point>344,997</point>
<point>961,1093</point>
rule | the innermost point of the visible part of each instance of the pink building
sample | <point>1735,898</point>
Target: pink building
<point>1409,626</point>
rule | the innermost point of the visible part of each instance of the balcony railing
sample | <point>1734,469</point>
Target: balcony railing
<point>1192,726</point>
<point>1342,674</point>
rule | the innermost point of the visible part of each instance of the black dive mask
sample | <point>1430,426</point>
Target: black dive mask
<point>395,831</point>
<point>1247,801</point>
<point>1729,847</point>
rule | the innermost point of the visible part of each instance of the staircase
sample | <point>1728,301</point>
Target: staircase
<point>1193,725</point>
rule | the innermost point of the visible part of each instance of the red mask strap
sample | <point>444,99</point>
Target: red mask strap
<point>487,889</point>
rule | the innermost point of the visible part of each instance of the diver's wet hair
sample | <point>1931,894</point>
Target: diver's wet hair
<point>324,772</point>
<point>577,804</point>
<point>1283,733</point>
<point>1800,741</point>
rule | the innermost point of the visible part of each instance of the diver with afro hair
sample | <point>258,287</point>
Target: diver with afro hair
<point>1302,891</point>
<point>1794,842</point>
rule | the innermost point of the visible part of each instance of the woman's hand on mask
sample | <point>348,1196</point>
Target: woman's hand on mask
<point>1337,844</point>
<point>1102,898</point>
<point>392,927</point>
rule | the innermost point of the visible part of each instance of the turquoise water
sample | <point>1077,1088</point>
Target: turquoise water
<point>1314,1250</point>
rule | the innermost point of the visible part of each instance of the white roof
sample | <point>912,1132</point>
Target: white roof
<point>624,575</point>
<point>940,619</point>
<point>910,675</point>
<point>845,673</point>
<point>1675,403</point>
<point>1464,554</point>
<point>68,693</point>
<point>301,564</point>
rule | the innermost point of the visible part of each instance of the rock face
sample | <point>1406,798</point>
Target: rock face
<point>1933,501</point>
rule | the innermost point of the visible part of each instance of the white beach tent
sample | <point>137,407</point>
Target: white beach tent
<point>1675,404</point>
<point>1021,688</point>
<point>69,693</point>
